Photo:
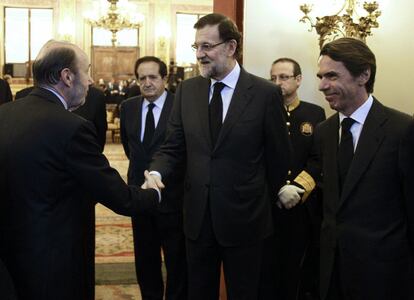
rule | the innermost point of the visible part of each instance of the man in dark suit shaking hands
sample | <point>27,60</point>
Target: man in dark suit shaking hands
<point>367,233</point>
<point>143,124</point>
<point>229,126</point>
<point>50,159</point>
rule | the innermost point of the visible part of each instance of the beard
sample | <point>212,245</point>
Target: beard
<point>210,70</point>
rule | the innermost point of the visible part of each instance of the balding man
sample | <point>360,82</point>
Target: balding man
<point>50,159</point>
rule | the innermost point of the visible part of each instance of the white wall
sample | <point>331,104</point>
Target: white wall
<point>272,30</point>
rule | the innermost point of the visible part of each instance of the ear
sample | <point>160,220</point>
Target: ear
<point>364,77</point>
<point>298,79</point>
<point>66,77</point>
<point>232,46</point>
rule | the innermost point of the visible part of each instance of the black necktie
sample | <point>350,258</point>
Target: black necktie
<point>215,111</point>
<point>149,127</point>
<point>345,150</point>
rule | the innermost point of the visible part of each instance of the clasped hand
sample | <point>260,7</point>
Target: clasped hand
<point>152,181</point>
<point>289,196</point>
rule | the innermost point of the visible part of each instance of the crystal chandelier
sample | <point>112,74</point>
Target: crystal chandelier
<point>344,23</point>
<point>115,18</point>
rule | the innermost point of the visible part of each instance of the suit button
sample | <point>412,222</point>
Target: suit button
<point>287,124</point>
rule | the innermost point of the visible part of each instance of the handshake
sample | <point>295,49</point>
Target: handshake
<point>153,181</point>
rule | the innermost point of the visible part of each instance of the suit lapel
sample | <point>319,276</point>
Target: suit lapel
<point>162,122</point>
<point>330,156</point>
<point>136,117</point>
<point>203,90</point>
<point>241,97</point>
<point>369,141</point>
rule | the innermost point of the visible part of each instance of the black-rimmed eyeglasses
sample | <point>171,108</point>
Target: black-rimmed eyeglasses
<point>205,47</point>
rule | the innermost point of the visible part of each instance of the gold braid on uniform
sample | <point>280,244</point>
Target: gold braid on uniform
<point>307,182</point>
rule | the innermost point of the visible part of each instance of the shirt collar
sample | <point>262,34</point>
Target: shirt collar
<point>56,93</point>
<point>361,113</point>
<point>231,79</point>
<point>159,102</point>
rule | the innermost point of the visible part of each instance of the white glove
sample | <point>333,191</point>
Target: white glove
<point>290,195</point>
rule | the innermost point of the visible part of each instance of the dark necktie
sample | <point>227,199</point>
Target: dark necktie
<point>149,127</point>
<point>345,150</point>
<point>215,111</point>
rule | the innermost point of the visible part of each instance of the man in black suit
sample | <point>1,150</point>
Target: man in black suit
<point>92,110</point>
<point>297,227</point>
<point>367,234</point>
<point>143,124</point>
<point>50,159</point>
<point>237,153</point>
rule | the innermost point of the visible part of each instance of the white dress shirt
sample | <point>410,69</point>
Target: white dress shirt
<point>156,111</point>
<point>230,81</point>
<point>359,116</point>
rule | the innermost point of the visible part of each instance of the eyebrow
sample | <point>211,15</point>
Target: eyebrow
<point>327,74</point>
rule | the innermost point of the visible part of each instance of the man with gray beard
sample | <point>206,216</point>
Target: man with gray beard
<point>229,126</point>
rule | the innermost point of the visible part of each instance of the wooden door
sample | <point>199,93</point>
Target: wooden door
<point>113,62</point>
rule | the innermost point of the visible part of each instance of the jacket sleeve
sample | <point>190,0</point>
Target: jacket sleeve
<point>86,163</point>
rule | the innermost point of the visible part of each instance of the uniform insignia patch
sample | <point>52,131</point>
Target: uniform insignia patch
<point>306,128</point>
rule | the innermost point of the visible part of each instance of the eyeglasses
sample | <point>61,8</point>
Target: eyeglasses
<point>282,77</point>
<point>205,47</point>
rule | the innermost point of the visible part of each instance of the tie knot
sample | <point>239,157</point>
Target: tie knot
<point>347,123</point>
<point>151,106</point>
<point>218,87</point>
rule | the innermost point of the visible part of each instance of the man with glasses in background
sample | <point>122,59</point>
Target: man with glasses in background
<point>229,126</point>
<point>297,219</point>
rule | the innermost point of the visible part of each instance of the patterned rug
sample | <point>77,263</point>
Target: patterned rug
<point>117,292</point>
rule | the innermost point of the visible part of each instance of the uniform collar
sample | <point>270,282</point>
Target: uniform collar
<point>292,106</point>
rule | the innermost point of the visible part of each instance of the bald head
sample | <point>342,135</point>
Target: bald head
<point>64,67</point>
<point>54,57</point>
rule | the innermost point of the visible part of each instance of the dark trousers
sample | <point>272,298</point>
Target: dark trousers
<point>290,264</point>
<point>335,291</point>
<point>241,266</point>
<point>151,234</point>
<point>89,251</point>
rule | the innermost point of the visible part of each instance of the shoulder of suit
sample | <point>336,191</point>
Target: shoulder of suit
<point>131,101</point>
<point>170,95</point>
<point>397,119</point>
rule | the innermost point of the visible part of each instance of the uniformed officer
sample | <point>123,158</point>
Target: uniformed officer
<point>297,218</point>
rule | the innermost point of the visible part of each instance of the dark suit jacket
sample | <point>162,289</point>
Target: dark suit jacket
<point>49,160</point>
<point>7,291</point>
<point>242,173</point>
<point>23,92</point>
<point>94,110</point>
<point>139,158</point>
<point>5,92</point>
<point>371,225</point>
